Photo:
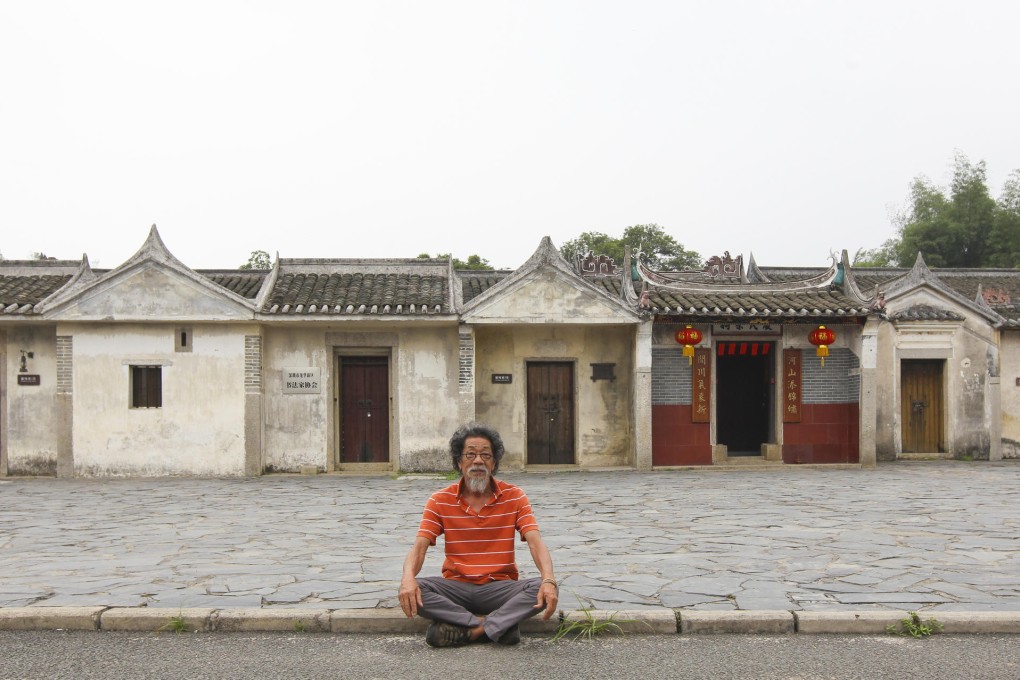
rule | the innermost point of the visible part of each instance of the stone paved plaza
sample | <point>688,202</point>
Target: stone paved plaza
<point>926,536</point>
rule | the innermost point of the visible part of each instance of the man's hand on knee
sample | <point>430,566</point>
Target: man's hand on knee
<point>410,597</point>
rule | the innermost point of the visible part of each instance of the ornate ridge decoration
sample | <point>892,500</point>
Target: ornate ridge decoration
<point>996,296</point>
<point>596,265</point>
<point>725,265</point>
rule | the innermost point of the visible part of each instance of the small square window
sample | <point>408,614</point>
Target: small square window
<point>146,387</point>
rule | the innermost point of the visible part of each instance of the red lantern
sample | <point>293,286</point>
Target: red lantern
<point>821,338</point>
<point>688,337</point>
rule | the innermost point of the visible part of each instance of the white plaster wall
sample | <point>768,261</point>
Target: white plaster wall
<point>971,358</point>
<point>973,361</point>
<point>31,418</point>
<point>427,380</point>
<point>200,428</point>
<point>301,429</point>
<point>295,430</point>
<point>1010,394</point>
<point>605,433</point>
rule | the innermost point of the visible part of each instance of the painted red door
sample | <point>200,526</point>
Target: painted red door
<point>550,413</point>
<point>364,410</point>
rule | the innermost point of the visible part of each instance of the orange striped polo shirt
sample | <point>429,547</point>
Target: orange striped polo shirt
<point>479,545</point>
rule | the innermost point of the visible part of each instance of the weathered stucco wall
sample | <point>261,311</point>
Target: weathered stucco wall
<point>199,430</point>
<point>970,358</point>
<point>31,419</point>
<point>1010,393</point>
<point>301,429</point>
<point>603,409</point>
<point>428,405</point>
<point>295,430</point>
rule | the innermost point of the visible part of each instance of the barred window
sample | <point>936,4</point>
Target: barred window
<point>146,386</point>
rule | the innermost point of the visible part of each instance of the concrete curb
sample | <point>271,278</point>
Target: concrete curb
<point>660,621</point>
<point>753,622</point>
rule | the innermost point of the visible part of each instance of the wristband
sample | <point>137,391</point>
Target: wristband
<point>552,581</point>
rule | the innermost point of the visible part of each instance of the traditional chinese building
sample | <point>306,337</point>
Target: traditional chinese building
<point>153,368</point>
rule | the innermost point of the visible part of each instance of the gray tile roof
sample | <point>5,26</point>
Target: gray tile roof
<point>245,282</point>
<point>475,282</point>
<point>925,313</point>
<point>397,287</point>
<point>755,301</point>
<point>26,283</point>
<point>19,294</point>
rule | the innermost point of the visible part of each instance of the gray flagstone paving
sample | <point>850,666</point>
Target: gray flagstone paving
<point>928,536</point>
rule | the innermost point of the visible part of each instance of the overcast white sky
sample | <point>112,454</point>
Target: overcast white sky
<point>380,128</point>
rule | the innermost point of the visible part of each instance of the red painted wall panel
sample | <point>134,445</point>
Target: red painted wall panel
<point>678,441</point>
<point>827,433</point>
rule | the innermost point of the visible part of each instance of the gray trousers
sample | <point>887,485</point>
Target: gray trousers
<point>504,604</point>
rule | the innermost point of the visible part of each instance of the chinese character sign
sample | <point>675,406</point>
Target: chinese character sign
<point>302,380</point>
<point>701,383</point>
<point>791,385</point>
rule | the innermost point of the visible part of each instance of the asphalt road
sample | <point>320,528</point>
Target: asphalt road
<point>58,655</point>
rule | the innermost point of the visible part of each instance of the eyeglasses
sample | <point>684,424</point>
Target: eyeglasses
<point>485,457</point>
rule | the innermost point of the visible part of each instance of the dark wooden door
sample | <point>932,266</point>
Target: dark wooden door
<point>550,413</point>
<point>364,410</point>
<point>921,405</point>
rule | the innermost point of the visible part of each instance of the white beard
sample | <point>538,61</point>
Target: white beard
<point>477,484</point>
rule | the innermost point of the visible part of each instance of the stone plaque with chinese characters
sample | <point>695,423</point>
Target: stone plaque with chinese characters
<point>701,385</point>
<point>791,385</point>
<point>756,326</point>
<point>302,380</point>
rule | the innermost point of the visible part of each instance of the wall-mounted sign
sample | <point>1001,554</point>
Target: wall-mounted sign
<point>502,378</point>
<point>302,380</point>
<point>28,379</point>
<point>791,385</point>
<point>756,326</point>
<point>701,385</point>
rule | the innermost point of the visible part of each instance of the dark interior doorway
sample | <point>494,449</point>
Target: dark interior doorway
<point>744,396</point>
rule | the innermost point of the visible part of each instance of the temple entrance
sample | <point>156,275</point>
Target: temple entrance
<point>744,396</point>
<point>364,409</point>
<point>550,412</point>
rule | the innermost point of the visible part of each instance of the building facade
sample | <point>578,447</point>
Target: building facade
<point>156,369</point>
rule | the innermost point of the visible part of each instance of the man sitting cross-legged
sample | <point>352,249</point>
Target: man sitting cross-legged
<point>479,594</point>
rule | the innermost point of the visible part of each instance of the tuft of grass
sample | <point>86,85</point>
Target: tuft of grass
<point>914,627</point>
<point>299,626</point>
<point>588,627</point>
<point>176,624</point>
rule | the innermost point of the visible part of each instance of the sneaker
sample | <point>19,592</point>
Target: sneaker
<point>447,635</point>
<point>511,637</point>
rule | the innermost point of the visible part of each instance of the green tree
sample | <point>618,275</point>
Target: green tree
<point>475,262</point>
<point>259,260</point>
<point>961,227</point>
<point>660,250</point>
<point>1006,228</point>
<point>883,256</point>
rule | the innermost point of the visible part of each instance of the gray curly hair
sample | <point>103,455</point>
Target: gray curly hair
<point>474,429</point>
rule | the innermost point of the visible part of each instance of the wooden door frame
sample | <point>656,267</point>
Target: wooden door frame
<point>574,405</point>
<point>335,417</point>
